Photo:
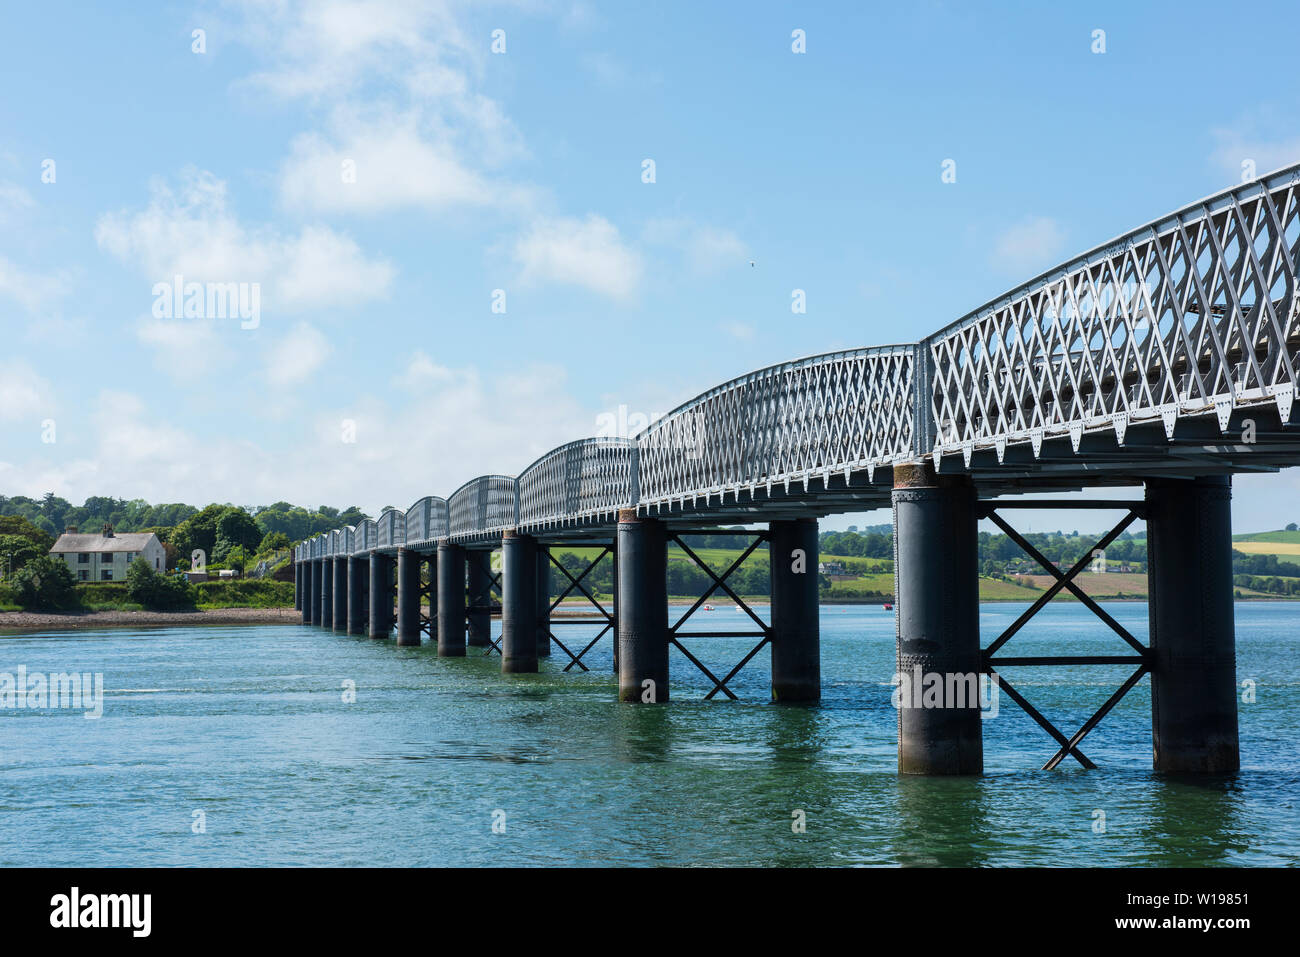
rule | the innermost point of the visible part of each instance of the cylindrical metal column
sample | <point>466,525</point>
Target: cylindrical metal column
<point>358,590</point>
<point>1193,669</point>
<point>543,602</point>
<point>381,595</point>
<point>479,613</point>
<point>451,601</point>
<point>518,603</point>
<point>642,609</point>
<point>339,618</point>
<point>326,616</point>
<point>796,640</point>
<point>408,597</point>
<point>308,591</point>
<point>936,585</point>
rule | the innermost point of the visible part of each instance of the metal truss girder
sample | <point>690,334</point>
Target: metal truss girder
<point>764,632</point>
<point>1065,581</point>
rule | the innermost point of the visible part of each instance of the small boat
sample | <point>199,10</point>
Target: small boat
<point>708,608</point>
<point>888,607</point>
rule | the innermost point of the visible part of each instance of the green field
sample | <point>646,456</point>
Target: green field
<point>1282,537</point>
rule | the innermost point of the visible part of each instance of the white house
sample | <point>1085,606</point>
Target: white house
<point>106,557</point>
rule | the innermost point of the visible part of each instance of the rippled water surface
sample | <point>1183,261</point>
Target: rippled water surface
<point>248,726</point>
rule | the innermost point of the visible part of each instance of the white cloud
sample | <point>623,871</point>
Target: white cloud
<point>192,233</point>
<point>13,198</point>
<point>741,331</point>
<point>587,253</point>
<point>295,357</point>
<point>333,48</point>
<point>393,161</point>
<point>24,395</point>
<point>707,249</point>
<point>463,425</point>
<point>1257,143</point>
<point>1031,245</point>
<point>187,350</point>
<point>34,291</point>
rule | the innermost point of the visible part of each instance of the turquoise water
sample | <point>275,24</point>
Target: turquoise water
<point>248,726</point>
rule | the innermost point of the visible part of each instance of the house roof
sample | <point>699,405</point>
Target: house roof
<point>126,542</point>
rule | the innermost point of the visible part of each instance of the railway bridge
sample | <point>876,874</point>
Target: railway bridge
<point>1163,362</point>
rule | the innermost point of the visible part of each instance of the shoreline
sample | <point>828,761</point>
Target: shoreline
<point>19,621</point>
<point>71,621</point>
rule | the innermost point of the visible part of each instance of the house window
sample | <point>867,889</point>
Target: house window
<point>83,559</point>
<point>106,575</point>
<point>83,575</point>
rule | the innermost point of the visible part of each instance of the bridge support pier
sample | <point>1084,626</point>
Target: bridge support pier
<point>308,591</point>
<point>381,595</point>
<point>936,573</point>
<point>479,613</point>
<point>358,590</point>
<point>339,617</point>
<point>326,616</point>
<point>543,601</point>
<point>641,608</point>
<point>796,640</point>
<point>297,586</point>
<point>1193,648</point>
<point>451,601</point>
<point>408,596</point>
<point>518,603</point>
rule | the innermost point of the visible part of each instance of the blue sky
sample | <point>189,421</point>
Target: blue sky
<point>522,171</point>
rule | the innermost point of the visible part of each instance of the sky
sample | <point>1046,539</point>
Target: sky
<point>479,230</point>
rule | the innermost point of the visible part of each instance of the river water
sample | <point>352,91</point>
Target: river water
<point>230,745</point>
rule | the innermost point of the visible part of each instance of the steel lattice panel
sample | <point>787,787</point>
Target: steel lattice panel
<point>426,520</point>
<point>793,421</point>
<point>577,481</point>
<point>390,529</point>
<point>482,505</point>
<point>364,537</point>
<point>1194,313</point>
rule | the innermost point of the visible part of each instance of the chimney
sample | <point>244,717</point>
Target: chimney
<point>70,530</point>
<point>108,530</point>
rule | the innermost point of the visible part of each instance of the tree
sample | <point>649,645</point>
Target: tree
<point>273,542</point>
<point>15,552</point>
<point>236,529</point>
<point>17,525</point>
<point>1291,527</point>
<point>199,531</point>
<point>46,583</point>
<point>237,558</point>
<point>160,592</point>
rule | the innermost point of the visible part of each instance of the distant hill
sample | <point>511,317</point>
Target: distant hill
<point>1292,538</point>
